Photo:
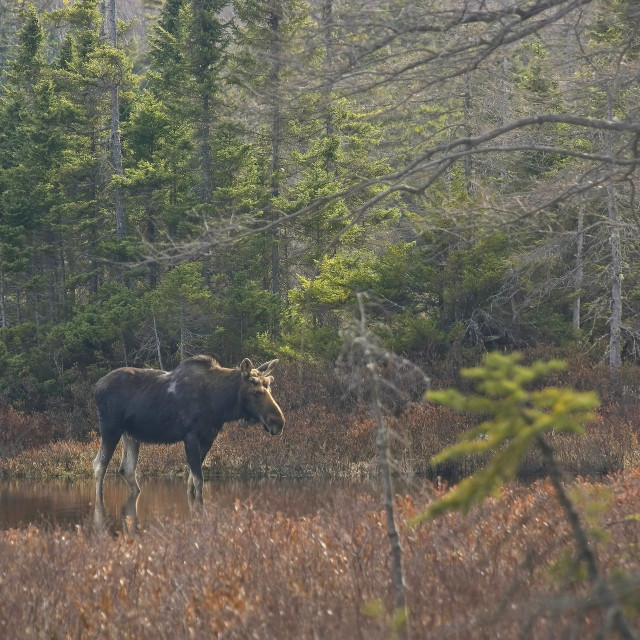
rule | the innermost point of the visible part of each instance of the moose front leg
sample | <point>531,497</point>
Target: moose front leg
<point>101,461</point>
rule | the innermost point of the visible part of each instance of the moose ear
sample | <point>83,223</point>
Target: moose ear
<point>266,368</point>
<point>246,367</point>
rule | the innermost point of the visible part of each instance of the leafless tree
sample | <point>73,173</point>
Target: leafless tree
<point>115,141</point>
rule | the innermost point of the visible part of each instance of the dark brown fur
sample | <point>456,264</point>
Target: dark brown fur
<point>189,404</point>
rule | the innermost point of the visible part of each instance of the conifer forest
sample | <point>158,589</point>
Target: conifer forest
<point>427,212</point>
<point>204,176</point>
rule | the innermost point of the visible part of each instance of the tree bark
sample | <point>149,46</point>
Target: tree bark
<point>274,89</point>
<point>204,147</point>
<point>116,143</point>
<point>382,443</point>
<point>579,276</point>
<point>602,594</point>
<point>615,343</point>
<point>3,301</point>
<point>157,338</point>
<point>327,26</point>
<point>468,161</point>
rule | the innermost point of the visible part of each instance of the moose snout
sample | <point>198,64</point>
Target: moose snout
<point>274,424</point>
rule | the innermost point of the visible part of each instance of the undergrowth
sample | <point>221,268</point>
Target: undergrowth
<point>329,432</point>
<point>255,570</point>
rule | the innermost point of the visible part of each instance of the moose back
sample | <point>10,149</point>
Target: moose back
<point>189,404</point>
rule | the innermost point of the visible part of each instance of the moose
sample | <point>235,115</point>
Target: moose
<point>189,404</point>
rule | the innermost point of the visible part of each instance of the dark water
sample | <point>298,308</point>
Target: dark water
<point>67,503</point>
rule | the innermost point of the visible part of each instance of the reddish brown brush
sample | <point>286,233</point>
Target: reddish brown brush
<point>263,570</point>
<point>331,433</point>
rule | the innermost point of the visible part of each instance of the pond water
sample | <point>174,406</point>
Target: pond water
<point>67,503</point>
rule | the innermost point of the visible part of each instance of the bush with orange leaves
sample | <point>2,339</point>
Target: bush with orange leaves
<point>329,433</point>
<point>277,569</point>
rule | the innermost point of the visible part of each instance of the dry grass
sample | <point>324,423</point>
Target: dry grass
<point>322,441</point>
<point>257,570</point>
<point>328,433</point>
<point>262,570</point>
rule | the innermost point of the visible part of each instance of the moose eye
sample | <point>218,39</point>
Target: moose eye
<point>259,384</point>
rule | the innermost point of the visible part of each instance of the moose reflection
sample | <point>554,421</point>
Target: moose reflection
<point>128,516</point>
<point>189,404</point>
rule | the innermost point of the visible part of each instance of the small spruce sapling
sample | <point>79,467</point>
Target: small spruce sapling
<point>516,419</point>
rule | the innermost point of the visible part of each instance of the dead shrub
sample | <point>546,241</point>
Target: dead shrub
<point>270,568</point>
<point>19,430</point>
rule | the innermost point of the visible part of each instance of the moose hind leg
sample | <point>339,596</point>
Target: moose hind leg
<point>129,462</point>
<point>205,447</point>
<point>101,461</point>
<point>192,451</point>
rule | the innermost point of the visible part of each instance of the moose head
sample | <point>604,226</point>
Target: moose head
<point>257,403</point>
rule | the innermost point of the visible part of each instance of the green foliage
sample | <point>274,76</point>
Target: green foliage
<point>239,116</point>
<point>181,286</point>
<point>248,313</point>
<point>181,311</point>
<point>397,278</point>
<point>513,420</point>
<point>473,273</point>
<point>30,37</point>
<point>614,24</point>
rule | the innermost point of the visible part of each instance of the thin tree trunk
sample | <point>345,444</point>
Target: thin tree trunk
<point>155,335</point>
<point>505,90</point>
<point>94,281</point>
<point>571,53</point>
<point>468,159</point>
<point>63,271</point>
<point>53,289</point>
<point>3,301</point>
<point>116,143</point>
<point>329,43</point>
<point>150,236</point>
<point>204,149</point>
<point>602,594</point>
<point>274,86</point>
<point>579,277</point>
<point>116,148</point>
<point>181,349</point>
<point>382,443</point>
<point>615,342</point>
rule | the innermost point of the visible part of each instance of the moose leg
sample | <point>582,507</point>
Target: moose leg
<point>205,447</point>
<point>192,451</point>
<point>130,451</point>
<point>101,461</point>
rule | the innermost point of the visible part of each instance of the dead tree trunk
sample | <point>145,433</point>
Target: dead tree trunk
<point>274,90</point>
<point>157,340</point>
<point>382,443</point>
<point>579,275</point>
<point>615,343</point>
<point>116,143</point>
